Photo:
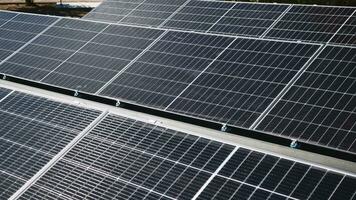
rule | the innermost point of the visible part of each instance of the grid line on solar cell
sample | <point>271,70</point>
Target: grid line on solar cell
<point>198,15</point>
<point>108,175</point>
<point>242,83</point>
<point>101,55</point>
<point>58,134</point>
<point>59,153</point>
<point>138,5</point>
<point>7,19</point>
<point>310,23</point>
<point>48,111</point>
<point>11,182</point>
<point>215,173</point>
<point>200,73</point>
<point>33,49</point>
<point>124,151</point>
<point>248,19</point>
<point>4,92</point>
<point>320,107</point>
<point>118,157</point>
<point>86,43</point>
<point>166,68</point>
<point>221,17</point>
<point>276,21</point>
<point>254,175</point>
<point>12,54</point>
<point>130,63</point>
<point>17,30</point>
<point>32,130</point>
<point>105,12</point>
<point>152,12</point>
<point>346,33</point>
<point>286,88</point>
<point>174,13</point>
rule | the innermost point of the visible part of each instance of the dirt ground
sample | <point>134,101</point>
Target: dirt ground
<point>46,8</point>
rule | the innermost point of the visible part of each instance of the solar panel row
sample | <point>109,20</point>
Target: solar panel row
<point>254,175</point>
<point>32,131</point>
<point>123,158</point>
<point>18,29</point>
<point>310,23</point>
<point>280,21</point>
<point>320,106</point>
<point>143,12</point>
<point>222,79</point>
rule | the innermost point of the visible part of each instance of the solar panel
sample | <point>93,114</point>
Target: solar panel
<point>310,23</point>
<point>17,29</point>
<point>102,58</point>
<point>9,184</point>
<point>50,49</point>
<point>254,175</point>
<point>223,79</point>
<point>113,11</point>
<point>346,35</point>
<point>239,85</point>
<point>122,158</point>
<point>248,19</point>
<point>32,131</point>
<point>80,55</point>
<point>152,12</point>
<point>198,15</point>
<point>164,70</point>
<point>4,92</point>
<point>320,107</point>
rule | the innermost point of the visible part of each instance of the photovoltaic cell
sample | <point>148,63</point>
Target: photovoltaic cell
<point>6,16</point>
<point>198,15</point>
<point>243,81</point>
<point>253,175</point>
<point>113,11</point>
<point>152,12</point>
<point>346,35</point>
<point>310,23</point>
<point>32,131</point>
<point>320,107</point>
<point>79,55</point>
<point>102,58</point>
<point>51,49</point>
<point>17,29</point>
<point>248,19</point>
<point>124,158</point>
<point>163,71</point>
<point>9,184</point>
<point>4,92</point>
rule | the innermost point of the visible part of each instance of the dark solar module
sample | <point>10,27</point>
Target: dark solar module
<point>248,19</point>
<point>243,81</point>
<point>32,131</point>
<point>198,15</point>
<point>347,34</point>
<point>320,107</point>
<point>163,71</point>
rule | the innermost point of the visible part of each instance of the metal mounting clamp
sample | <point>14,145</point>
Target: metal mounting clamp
<point>294,144</point>
<point>224,128</point>
<point>117,103</point>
